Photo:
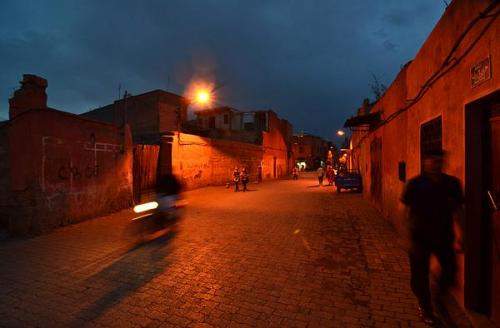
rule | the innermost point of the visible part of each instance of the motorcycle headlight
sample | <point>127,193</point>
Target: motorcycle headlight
<point>145,207</point>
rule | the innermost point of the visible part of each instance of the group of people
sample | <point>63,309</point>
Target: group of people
<point>240,177</point>
<point>330,173</point>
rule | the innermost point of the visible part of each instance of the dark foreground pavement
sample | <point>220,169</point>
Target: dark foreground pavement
<point>286,254</point>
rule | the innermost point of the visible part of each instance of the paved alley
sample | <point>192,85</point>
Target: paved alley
<point>285,254</point>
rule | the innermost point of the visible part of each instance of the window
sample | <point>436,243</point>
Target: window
<point>226,119</point>
<point>431,136</point>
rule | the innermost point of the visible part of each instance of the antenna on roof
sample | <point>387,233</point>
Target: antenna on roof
<point>119,90</point>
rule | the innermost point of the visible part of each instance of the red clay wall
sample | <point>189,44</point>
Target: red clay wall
<point>275,160</point>
<point>393,136</point>
<point>203,162</point>
<point>4,178</point>
<point>447,97</point>
<point>64,168</point>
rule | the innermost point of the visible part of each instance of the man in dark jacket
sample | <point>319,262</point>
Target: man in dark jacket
<point>432,199</point>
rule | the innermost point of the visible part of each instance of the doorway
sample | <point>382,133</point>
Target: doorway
<point>482,193</point>
<point>274,167</point>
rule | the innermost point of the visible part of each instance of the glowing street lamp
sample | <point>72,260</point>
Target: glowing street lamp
<point>202,97</point>
<point>340,133</point>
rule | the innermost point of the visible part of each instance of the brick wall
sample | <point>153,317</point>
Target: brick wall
<point>141,113</point>
<point>275,144</point>
<point>149,114</point>
<point>204,162</point>
<point>65,168</point>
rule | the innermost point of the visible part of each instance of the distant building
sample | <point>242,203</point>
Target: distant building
<point>154,116</point>
<point>309,150</point>
<point>150,115</point>
<point>223,118</point>
<point>277,135</point>
<point>230,119</point>
<point>261,127</point>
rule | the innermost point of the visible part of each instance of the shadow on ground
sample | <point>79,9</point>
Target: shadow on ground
<point>127,274</point>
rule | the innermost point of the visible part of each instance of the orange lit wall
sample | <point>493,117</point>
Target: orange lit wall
<point>65,168</point>
<point>203,162</point>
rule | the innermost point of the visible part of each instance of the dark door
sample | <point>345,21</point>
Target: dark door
<point>211,122</point>
<point>274,167</point>
<point>482,191</point>
<point>493,195</point>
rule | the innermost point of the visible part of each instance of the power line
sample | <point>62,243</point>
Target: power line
<point>448,64</point>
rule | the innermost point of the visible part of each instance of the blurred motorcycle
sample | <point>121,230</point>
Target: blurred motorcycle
<point>162,213</point>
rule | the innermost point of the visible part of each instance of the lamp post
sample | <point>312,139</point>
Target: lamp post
<point>199,96</point>
<point>344,153</point>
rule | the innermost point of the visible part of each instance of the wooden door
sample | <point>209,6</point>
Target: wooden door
<point>145,169</point>
<point>494,199</point>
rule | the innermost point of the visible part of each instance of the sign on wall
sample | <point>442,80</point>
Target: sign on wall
<point>480,72</point>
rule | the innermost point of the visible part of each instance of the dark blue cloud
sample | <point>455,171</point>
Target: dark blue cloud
<point>308,60</point>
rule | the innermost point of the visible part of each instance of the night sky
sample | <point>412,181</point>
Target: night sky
<point>309,60</point>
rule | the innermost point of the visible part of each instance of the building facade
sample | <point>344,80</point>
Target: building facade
<point>310,151</point>
<point>149,115</point>
<point>262,127</point>
<point>223,118</point>
<point>447,98</point>
<point>59,168</point>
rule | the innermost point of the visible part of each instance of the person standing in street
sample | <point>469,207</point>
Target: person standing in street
<point>236,179</point>
<point>295,173</point>
<point>244,178</point>
<point>433,199</point>
<point>330,175</point>
<point>321,173</point>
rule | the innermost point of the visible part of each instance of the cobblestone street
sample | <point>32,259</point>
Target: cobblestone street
<point>285,254</point>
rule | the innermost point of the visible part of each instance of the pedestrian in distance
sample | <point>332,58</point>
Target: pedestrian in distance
<point>236,179</point>
<point>330,175</point>
<point>259,173</point>
<point>244,177</point>
<point>295,173</point>
<point>320,175</point>
<point>434,201</point>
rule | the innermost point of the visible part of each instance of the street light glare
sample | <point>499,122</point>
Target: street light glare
<point>202,97</point>
<point>340,132</point>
